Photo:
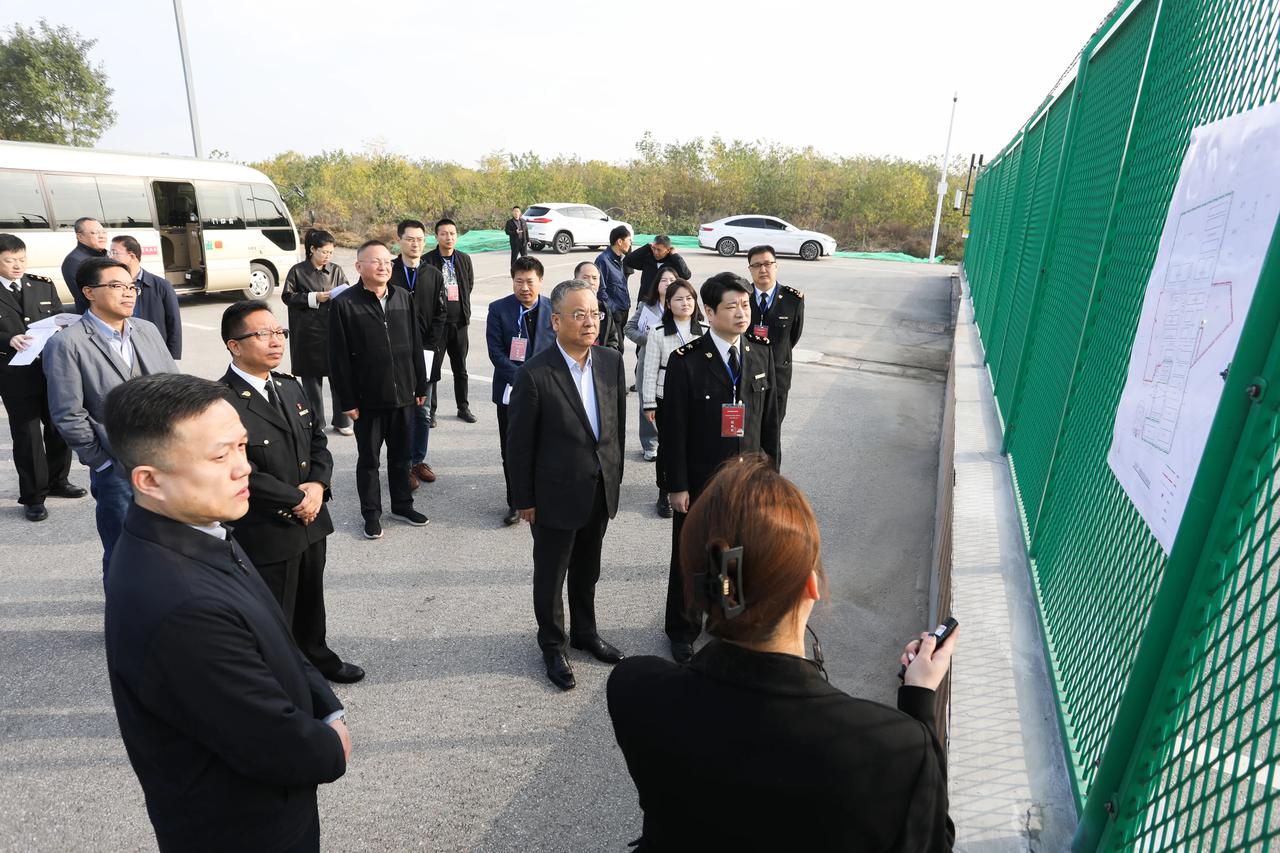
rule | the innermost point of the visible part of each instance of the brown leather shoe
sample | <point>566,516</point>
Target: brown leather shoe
<point>413,482</point>
<point>424,473</point>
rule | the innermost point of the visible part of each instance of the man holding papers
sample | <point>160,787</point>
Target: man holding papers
<point>41,456</point>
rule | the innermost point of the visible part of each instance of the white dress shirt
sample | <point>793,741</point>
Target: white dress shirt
<point>118,341</point>
<point>584,380</point>
<point>257,384</point>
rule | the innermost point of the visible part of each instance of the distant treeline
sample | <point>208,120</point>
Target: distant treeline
<point>866,203</point>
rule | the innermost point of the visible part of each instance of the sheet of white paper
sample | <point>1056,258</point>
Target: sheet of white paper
<point>428,359</point>
<point>338,291</point>
<point>506,396</point>
<point>41,334</point>
<point>1220,222</point>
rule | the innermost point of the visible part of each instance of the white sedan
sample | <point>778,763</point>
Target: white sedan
<point>735,234</point>
<point>563,226</point>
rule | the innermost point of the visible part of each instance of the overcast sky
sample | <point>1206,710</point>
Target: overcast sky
<point>458,81</point>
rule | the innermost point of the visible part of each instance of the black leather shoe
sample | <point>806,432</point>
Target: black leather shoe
<point>348,673</point>
<point>598,649</point>
<point>36,512</point>
<point>664,506</point>
<point>682,653</point>
<point>433,421</point>
<point>68,491</point>
<point>511,518</point>
<point>465,415</point>
<point>559,671</point>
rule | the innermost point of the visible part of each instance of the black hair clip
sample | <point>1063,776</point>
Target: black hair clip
<point>722,582</point>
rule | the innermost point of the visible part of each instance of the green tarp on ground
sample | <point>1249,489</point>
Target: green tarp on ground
<point>487,240</point>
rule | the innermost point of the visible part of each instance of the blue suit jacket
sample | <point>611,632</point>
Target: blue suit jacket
<point>158,305</point>
<point>501,327</point>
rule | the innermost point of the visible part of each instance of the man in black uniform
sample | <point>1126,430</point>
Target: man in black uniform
<point>378,376</point>
<point>285,530</point>
<point>777,313</point>
<point>41,456</point>
<point>427,286</point>
<point>459,280</point>
<point>517,234</point>
<point>718,402</point>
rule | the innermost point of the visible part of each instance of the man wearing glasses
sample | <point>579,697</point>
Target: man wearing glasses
<point>777,315</point>
<point>285,530</point>
<point>378,376</point>
<point>82,363</point>
<point>564,459</point>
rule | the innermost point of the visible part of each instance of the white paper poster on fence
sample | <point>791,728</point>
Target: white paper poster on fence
<point>1215,236</point>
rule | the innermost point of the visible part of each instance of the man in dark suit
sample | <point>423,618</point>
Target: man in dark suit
<point>91,242</point>
<point>517,235</point>
<point>777,313</point>
<point>517,329</point>
<point>459,281</point>
<point>228,727</point>
<point>157,300</point>
<point>288,524</point>
<point>41,456</point>
<point>426,285</point>
<point>650,259</point>
<point>718,403</point>
<point>378,375</point>
<point>564,452</point>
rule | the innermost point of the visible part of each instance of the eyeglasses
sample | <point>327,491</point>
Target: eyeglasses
<point>581,316</point>
<point>761,265</point>
<point>118,285</point>
<point>376,263</point>
<point>264,334</point>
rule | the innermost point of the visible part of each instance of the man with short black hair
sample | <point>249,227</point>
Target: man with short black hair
<point>718,402</point>
<point>227,726</point>
<point>517,235</point>
<point>41,456</point>
<point>613,276</point>
<point>82,363</point>
<point>459,281</point>
<point>157,300</point>
<point>777,313</point>
<point>564,450</point>
<point>518,328</point>
<point>651,259</point>
<point>427,286</point>
<point>378,376</point>
<point>91,242</point>
<point>287,525</point>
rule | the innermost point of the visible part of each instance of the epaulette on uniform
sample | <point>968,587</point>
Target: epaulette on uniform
<point>754,337</point>
<point>280,374</point>
<point>45,279</point>
<point>797,293</point>
<point>685,349</point>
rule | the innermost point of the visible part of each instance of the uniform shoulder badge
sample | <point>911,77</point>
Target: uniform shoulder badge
<point>35,277</point>
<point>793,291</point>
<point>683,350</point>
<point>279,374</point>
<point>757,338</point>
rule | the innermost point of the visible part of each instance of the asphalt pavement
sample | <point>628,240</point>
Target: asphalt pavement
<point>460,741</point>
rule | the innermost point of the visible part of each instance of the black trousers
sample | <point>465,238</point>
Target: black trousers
<point>373,428</point>
<point>41,456</point>
<point>314,388</point>
<point>518,251</point>
<point>503,413</point>
<point>456,346</point>
<point>683,619</point>
<point>574,554</point>
<point>298,585</point>
<point>620,319</point>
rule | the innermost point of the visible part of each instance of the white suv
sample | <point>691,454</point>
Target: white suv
<point>563,226</point>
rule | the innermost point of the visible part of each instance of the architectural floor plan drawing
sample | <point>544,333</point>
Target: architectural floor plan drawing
<point>1220,222</point>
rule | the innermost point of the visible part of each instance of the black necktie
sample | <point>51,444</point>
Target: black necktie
<point>764,304</point>
<point>274,399</point>
<point>733,362</point>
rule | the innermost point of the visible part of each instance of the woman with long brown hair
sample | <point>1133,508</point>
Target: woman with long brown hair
<point>748,747</point>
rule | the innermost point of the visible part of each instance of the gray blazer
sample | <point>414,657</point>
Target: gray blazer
<point>81,369</point>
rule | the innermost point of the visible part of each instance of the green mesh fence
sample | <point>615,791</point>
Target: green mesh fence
<point>1164,669</point>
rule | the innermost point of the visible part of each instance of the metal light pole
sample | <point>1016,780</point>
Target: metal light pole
<point>186,74</point>
<point>942,182</point>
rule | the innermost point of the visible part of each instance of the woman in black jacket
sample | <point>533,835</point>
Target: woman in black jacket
<point>748,747</point>
<point>307,292</point>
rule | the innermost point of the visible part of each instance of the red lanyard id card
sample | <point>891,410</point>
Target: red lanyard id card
<point>733,419</point>
<point>519,346</point>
